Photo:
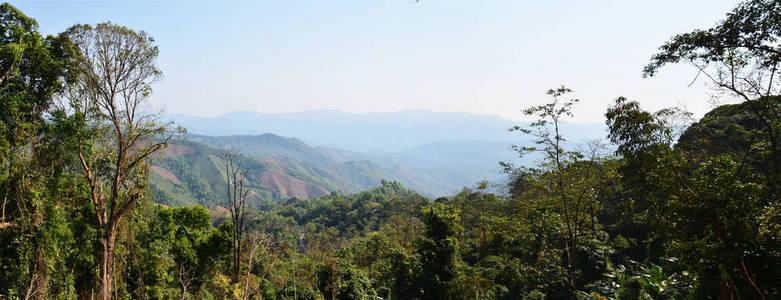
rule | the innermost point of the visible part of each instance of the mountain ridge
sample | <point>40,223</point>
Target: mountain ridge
<point>346,168</point>
<point>433,153</point>
<point>375,132</point>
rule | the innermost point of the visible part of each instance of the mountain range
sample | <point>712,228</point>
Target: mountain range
<point>376,132</point>
<point>314,153</point>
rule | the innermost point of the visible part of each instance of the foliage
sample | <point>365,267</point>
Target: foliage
<point>645,281</point>
<point>740,54</point>
<point>679,211</point>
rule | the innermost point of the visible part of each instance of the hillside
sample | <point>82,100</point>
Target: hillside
<point>339,170</point>
<point>434,153</point>
<point>192,173</point>
<point>433,169</point>
<point>267,145</point>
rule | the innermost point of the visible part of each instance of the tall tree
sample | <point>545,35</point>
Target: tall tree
<point>114,68</point>
<point>31,69</point>
<point>568,182</point>
<point>236,202</point>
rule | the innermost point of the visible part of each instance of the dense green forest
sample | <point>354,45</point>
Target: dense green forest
<point>670,208</point>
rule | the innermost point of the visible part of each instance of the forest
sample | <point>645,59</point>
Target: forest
<point>668,207</point>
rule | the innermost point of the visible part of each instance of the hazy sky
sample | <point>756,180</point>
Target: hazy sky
<point>480,56</point>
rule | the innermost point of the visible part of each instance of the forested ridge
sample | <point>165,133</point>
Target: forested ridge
<point>666,208</point>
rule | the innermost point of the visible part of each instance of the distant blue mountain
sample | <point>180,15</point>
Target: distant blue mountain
<point>473,160</point>
<point>374,133</point>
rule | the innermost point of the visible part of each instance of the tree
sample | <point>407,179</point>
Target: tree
<point>114,68</point>
<point>237,200</point>
<point>708,196</point>
<point>170,252</point>
<point>438,251</point>
<point>344,282</point>
<point>740,54</point>
<point>31,73</point>
<point>566,180</point>
<point>191,234</point>
<point>258,242</point>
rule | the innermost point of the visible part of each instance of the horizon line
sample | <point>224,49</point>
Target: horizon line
<point>366,113</point>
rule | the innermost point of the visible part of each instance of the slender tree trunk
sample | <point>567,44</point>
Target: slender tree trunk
<point>6,189</point>
<point>751,281</point>
<point>5,201</point>
<point>237,256</point>
<point>333,281</point>
<point>109,238</point>
<point>39,281</point>
<point>139,279</point>
<point>246,293</point>
<point>43,278</point>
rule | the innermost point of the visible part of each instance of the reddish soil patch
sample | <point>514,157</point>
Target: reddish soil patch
<point>289,186</point>
<point>162,205</point>
<point>219,210</point>
<point>165,174</point>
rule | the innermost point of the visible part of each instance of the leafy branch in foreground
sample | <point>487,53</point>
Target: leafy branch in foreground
<point>741,54</point>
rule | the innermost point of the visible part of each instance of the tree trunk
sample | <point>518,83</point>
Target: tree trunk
<point>43,278</point>
<point>107,268</point>
<point>184,280</point>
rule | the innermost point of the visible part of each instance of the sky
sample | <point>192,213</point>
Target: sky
<point>486,57</point>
